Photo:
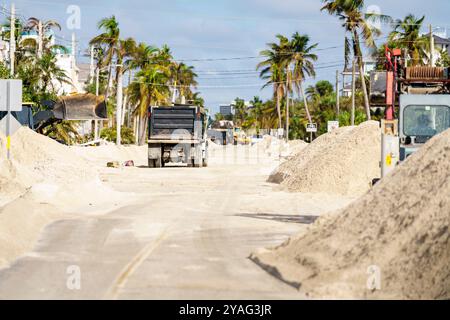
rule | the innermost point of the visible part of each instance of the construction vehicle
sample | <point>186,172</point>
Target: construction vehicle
<point>240,137</point>
<point>421,96</point>
<point>74,107</point>
<point>177,134</point>
<point>221,132</point>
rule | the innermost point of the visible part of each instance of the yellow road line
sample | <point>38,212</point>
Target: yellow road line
<point>133,265</point>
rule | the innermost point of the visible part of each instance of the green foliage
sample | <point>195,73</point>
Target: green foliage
<point>126,134</point>
<point>324,88</point>
<point>4,71</point>
<point>64,132</point>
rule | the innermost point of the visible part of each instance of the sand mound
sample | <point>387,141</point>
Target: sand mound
<point>344,162</point>
<point>401,227</point>
<point>38,159</point>
<point>102,154</point>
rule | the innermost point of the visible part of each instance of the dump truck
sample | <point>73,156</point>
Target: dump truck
<point>416,101</point>
<point>177,134</point>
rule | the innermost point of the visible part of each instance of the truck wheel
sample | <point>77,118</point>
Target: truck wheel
<point>198,160</point>
<point>158,163</point>
<point>151,163</point>
<point>205,162</point>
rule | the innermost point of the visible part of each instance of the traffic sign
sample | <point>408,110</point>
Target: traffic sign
<point>13,89</point>
<point>311,127</point>
<point>10,100</point>
<point>333,125</point>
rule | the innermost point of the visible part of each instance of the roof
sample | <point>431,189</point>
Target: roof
<point>439,40</point>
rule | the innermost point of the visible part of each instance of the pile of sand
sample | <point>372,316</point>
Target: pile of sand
<point>100,155</point>
<point>343,162</point>
<point>400,228</point>
<point>37,159</point>
<point>45,181</point>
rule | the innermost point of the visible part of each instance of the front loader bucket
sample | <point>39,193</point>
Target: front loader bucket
<point>80,107</point>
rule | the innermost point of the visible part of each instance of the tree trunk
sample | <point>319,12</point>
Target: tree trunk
<point>119,101</point>
<point>287,115</point>
<point>305,102</point>
<point>361,73</point>
<point>143,119</point>
<point>279,110</point>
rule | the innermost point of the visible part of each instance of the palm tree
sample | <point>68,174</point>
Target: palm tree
<point>150,87</point>
<point>406,34</point>
<point>197,100</point>
<point>257,111</point>
<point>42,28</point>
<point>302,59</point>
<point>183,78</point>
<point>273,71</point>
<point>109,39</point>
<point>357,25</point>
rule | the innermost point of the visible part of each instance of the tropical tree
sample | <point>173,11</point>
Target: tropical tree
<point>302,59</point>
<point>43,29</point>
<point>274,72</point>
<point>406,35</point>
<point>358,25</point>
<point>150,87</point>
<point>108,40</point>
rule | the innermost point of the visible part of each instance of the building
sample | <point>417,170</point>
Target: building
<point>370,65</point>
<point>226,110</point>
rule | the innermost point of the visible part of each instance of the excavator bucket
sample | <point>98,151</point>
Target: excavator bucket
<point>80,107</point>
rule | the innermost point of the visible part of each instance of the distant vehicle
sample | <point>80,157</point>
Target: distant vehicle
<point>240,137</point>
<point>177,134</point>
<point>221,136</point>
<point>256,139</point>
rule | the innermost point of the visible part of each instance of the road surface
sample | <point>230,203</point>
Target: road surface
<point>187,237</point>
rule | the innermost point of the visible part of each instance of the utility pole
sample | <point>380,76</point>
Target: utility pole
<point>287,104</point>
<point>91,66</point>
<point>337,93</point>
<point>353,92</point>
<point>97,76</point>
<point>119,100</point>
<point>40,40</point>
<point>12,40</point>
<point>431,47</point>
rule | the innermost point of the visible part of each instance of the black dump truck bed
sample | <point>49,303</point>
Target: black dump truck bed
<point>177,134</point>
<point>175,123</point>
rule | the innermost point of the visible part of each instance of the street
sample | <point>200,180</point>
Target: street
<point>188,236</point>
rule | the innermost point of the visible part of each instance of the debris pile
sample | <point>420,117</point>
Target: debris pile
<point>344,161</point>
<point>395,238</point>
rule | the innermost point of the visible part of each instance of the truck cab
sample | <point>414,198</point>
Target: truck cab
<point>421,118</point>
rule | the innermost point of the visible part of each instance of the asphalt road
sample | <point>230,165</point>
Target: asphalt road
<point>188,237</point>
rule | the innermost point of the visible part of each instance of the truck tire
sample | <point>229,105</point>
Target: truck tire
<point>205,162</point>
<point>151,163</point>
<point>198,160</point>
<point>158,163</point>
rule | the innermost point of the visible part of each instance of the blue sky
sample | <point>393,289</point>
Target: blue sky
<point>201,29</point>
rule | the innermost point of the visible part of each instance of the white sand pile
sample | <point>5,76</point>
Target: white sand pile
<point>43,182</point>
<point>39,159</point>
<point>295,146</point>
<point>102,154</point>
<point>344,162</point>
<point>401,227</point>
<point>21,222</point>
